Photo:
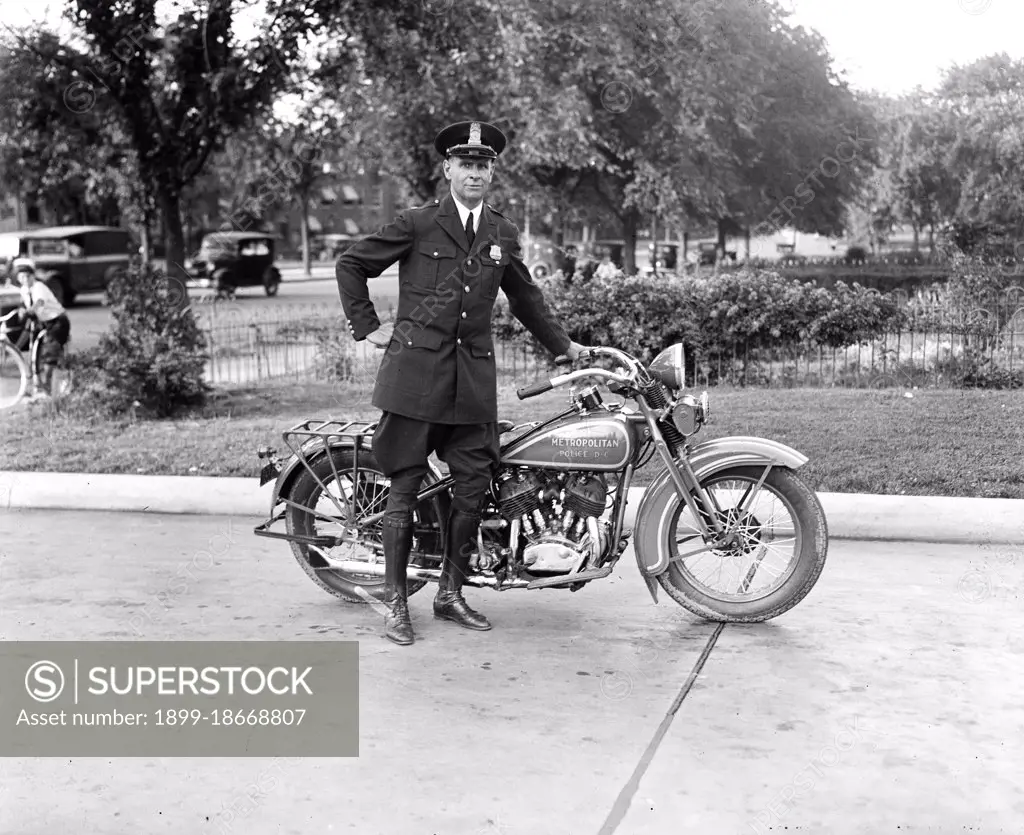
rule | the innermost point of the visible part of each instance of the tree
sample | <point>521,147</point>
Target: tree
<point>984,103</point>
<point>63,159</point>
<point>170,90</point>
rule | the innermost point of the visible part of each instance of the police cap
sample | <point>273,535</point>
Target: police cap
<point>478,140</point>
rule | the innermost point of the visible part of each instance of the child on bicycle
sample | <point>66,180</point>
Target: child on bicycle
<point>40,302</point>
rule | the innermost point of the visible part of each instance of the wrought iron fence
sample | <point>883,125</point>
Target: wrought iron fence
<point>939,345</point>
<point>312,342</point>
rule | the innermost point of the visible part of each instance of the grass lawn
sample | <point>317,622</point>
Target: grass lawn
<point>937,442</point>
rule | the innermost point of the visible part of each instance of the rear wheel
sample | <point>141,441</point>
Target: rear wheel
<point>223,282</point>
<point>271,281</point>
<point>328,513</point>
<point>778,549</point>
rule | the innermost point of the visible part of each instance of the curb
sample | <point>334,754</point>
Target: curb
<point>850,515</point>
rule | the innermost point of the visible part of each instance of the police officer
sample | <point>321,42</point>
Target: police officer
<point>436,386</point>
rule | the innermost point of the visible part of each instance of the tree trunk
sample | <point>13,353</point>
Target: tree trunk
<point>174,241</point>
<point>304,228</point>
<point>630,222</point>
<point>654,245</point>
<point>146,243</point>
<point>917,237</point>
<point>931,239</point>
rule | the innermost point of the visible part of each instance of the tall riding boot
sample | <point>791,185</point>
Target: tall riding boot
<point>449,603</point>
<point>397,544</point>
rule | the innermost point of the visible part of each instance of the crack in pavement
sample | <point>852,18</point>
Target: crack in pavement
<point>629,790</point>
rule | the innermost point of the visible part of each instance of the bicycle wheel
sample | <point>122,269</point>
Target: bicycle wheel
<point>14,375</point>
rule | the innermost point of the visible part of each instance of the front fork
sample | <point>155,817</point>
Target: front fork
<point>712,530</point>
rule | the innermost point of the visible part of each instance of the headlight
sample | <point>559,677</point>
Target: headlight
<point>668,367</point>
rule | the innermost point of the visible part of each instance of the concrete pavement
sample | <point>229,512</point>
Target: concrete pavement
<point>885,702</point>
<point>850,515</point>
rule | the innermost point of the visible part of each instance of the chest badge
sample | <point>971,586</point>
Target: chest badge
<point>495,252</point>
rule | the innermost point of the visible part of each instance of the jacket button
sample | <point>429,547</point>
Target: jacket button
<point>463,314</point>
<point>458,341</point>
<point>409,342</point>
<point>467,288</point>
<point>470,261</point>
<point>435,253</point>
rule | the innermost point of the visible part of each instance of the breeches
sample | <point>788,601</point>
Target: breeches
<point>402,446</point>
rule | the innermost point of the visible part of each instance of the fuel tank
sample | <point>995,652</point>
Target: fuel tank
<point>603,442</point>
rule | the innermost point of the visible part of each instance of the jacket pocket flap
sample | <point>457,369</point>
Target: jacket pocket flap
<point>417,337</point>
<point>437,250</point>
<point>481,350</point>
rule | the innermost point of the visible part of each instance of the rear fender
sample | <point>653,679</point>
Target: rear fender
<point>311,452</point>
<point>660,500</point>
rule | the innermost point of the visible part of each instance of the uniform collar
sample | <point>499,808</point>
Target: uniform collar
<point>465,210</point>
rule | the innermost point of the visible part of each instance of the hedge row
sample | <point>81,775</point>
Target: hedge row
<point>712,316</point>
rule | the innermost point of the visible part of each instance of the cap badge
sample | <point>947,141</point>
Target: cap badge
<point>474,134</point>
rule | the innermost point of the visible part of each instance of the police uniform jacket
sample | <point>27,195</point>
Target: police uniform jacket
<point>440,364</point>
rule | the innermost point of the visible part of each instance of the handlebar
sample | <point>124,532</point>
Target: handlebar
<point>535,389</point>
<point>636,368</point>
<point>12,314</point>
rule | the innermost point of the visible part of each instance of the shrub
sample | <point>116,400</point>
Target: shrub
<point>856,255</point>
<point>153,356</point>
<point>638,315</point>
<point>716,318</point>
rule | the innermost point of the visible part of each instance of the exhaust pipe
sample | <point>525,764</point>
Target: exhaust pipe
<point>376,569</point>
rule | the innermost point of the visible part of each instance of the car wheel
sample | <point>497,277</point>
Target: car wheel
<point>222,282</point>
<point>271,281</point>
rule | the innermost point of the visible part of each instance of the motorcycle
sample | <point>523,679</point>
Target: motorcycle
<point>728,528</point>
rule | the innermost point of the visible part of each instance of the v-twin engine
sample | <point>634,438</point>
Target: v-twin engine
<point>557,514</point>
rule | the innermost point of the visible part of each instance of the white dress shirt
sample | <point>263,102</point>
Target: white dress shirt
<point>464,213</point>
<point>40,299</point>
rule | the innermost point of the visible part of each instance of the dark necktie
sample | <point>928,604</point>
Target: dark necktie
<point>469,229</point>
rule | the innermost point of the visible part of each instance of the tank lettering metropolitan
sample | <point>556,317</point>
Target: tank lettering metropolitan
<point>585,442</point>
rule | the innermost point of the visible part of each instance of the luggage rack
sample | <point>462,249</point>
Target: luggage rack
<point>330,432</point>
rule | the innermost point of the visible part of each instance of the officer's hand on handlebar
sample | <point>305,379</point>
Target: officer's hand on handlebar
<point>572,354</point>
<point>382,336</point>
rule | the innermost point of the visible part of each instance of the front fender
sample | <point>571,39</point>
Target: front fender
<point>660,500</point>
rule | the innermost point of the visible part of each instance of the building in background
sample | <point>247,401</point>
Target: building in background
<point>18,213</point>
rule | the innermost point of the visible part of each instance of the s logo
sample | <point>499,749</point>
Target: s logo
<point>44,681</point>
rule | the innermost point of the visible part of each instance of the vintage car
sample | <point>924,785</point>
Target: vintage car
<point>228,260</point>
<point>70,259</point>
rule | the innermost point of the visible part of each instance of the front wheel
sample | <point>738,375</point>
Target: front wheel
<point>778,541</point>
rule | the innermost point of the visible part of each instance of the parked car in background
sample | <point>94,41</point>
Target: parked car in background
<point>71,259</point>
<point>229,260</point>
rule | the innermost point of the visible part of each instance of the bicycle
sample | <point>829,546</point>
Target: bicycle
<point>16,375</point>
